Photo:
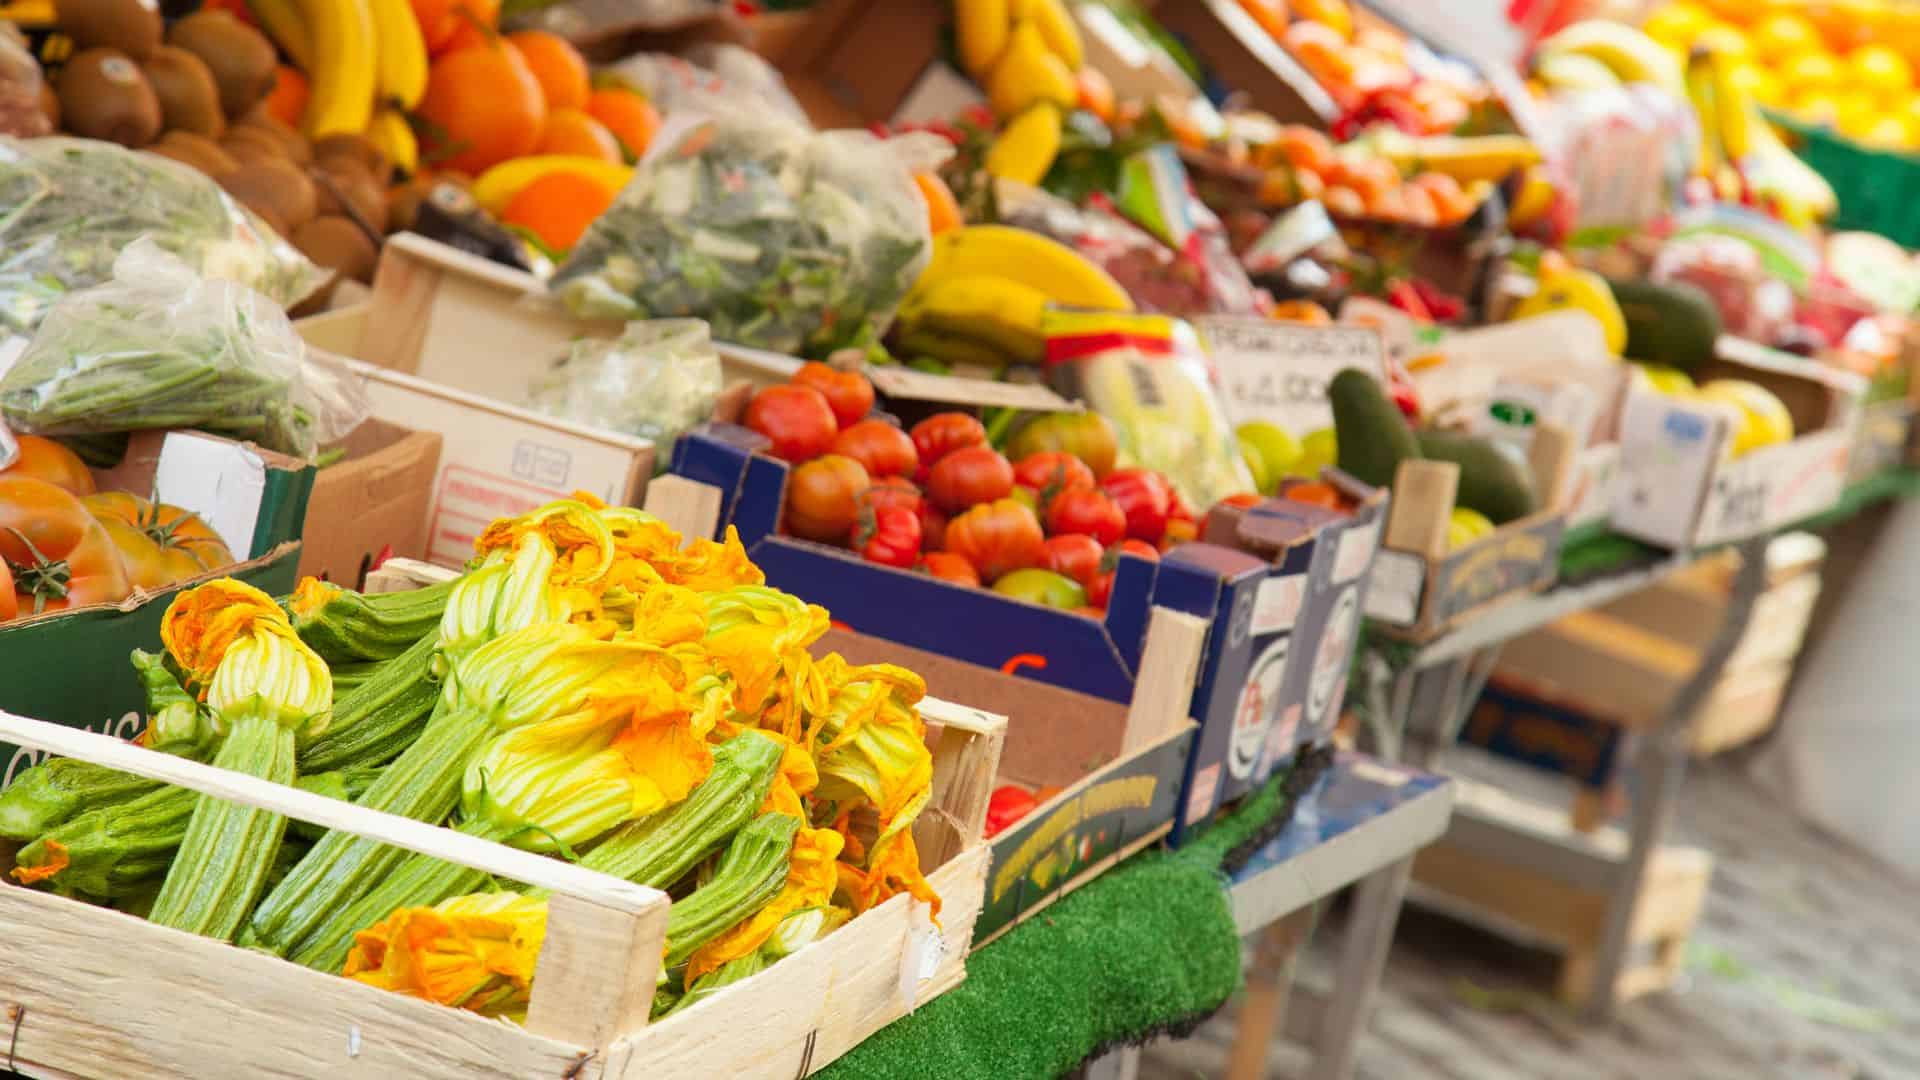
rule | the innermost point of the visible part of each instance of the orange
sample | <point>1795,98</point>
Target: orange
<point>1370,176</point>
<point>630,116</point>
<point>558,207</point>
<point>287,101</point>
<point>943,212</point>
<point>1344,202</point>
<point>570,131</point>
<point>483,106</point>
<point>1422,209</point>
<point>1095,93</point>
<point>1305,148</point>
<point>442,21</point>
<point>561,69</point>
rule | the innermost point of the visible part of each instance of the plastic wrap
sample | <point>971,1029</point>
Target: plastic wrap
<point>69,207</point>
<point>656,380</point>
<point>780,238</point>
<point>713,80</point>
<point>1148,375</point>
<point>159,346</point>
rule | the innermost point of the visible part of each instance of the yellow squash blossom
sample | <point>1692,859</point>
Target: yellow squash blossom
<point>893,869</point>
<point>873,744</point>
<point>812,875</point>
<point>797,778</point>
<point>472,952</point>
<point>547,565</point>
<point>242,657</point>
<point>760,637</point>
<point>712,565</point>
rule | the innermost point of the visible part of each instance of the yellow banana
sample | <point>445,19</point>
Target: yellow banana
<point>390,134</point>
<point>981,29</point>
<point>287,26</point>
<point>1631,55</point>
<point>497,186</point>
<point>985,307</point>
<point>1025,149</point>
<point>1573,71</point>
<point>1466,159</point>
<point>343,66</point>
<point>1056,27</point>
<point>401,74</point>
<point>1028,72</point>
<point>1703,92</point>
<point>1737,112</point>
<point>1063,274</point>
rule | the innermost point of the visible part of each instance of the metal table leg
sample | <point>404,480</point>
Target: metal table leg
<point>1363,956</point>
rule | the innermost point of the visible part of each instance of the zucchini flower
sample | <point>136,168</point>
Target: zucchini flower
<point>472,952</point>
<point>759,637</point>
<point>797,778</point>
<point>894,868</point>
<point>812,876</point>
<point>873,750</point>
<point>547,565</point>
<point>701,564</point>
<point>713,565</point>
<point>176,723</point>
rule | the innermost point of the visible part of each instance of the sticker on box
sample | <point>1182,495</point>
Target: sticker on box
<point>1253,717</point>
<point>1276,606</point>
<point>1394,588</point>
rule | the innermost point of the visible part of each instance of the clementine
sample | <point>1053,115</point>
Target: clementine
<point>483,106</point>
<point>558,207</point>
<point>943,212</point>
<point>572,132</point>
<point>561,69</point>
<point>287,101</point>
<point>630,116</point>
<point>1095,93</point>
<point>442,21</point>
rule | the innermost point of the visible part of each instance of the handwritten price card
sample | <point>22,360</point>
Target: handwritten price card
<point>1278,372</point>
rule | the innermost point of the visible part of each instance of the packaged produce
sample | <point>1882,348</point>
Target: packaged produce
<point>655,380</point>
<point>779,237</point>
<point>714,79</point>
<point>73,205</point>
<point>1148,375</point>
<point>159,346</point>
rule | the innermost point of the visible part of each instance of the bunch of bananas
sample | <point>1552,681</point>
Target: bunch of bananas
<point>366,61</point>
<point>1025,53</point>
<point>1741,153</point>
<point>1600,52</point>
<point>980,301</point>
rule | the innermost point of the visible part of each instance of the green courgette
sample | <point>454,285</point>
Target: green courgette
<point>344,626</point>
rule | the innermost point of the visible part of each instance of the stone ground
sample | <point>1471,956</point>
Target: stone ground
<point>1807,965</point>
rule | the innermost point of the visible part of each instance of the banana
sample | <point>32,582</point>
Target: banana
<point>1573,71</point>
<point>913,342</point>
<point>390,134</point>
<point>1028,72</point>
<point>1703,92</point>
<point>999,311</point>
<point>1628,53</point>
<point>343,66</point>
<point>1738,115</point>
<point>287,26</point>
<point>497,186</point>
<point>1025,149</point>
<point>1465,158</point>
<point>981,29</point>
<point>1056,26</point>
<point>1063,274</point>
<point>401,74</point>
<point>1777,174</point>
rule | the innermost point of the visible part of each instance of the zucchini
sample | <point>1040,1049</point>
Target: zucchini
<point>346,785</point>
<point>749,876</point>
<point>344,626</point>
<point>113,851</point>
<point>381,717</point>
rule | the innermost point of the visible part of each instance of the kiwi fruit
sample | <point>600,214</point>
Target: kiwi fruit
<point>241,58</point>
<point>347,190</point>
<point>338,244</point>
<point>50,104</point>
<point>251,146</point>
<point>131,26</point>
<point>277,184</point>
<point>356,148</point>
<point>189,100</point>
<point>196,150</point>
<point>293,145</point>
<point>105,95</point>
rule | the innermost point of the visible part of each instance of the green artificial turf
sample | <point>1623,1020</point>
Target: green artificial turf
<point>1147,949</point>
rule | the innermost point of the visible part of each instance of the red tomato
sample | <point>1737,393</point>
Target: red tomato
<point>947,566</point>
<point>889,536</point>
<point>1086,435</point>
<point>1008,805</point>
<point>1100,590</point>
<point>44,459</point>
<point>9,600</point>
<point>883,449</point>
<point>1243,500</point>
<point>59,557</point>
<point>997,538</point>
<point>969,477</point>
<point>796,418</point>
<point>1144,497</point>
<point>1178,510</point>
<point>1052,470</point>
<point>1076,556</point>
<point>1089,512</point>
<point>891,491</point>
<point>823,498</point>
<point>933,527</point>
<point>1133,547</point>
<point>1316,493</point>
<point>943,433</point>
<point>848,392</point>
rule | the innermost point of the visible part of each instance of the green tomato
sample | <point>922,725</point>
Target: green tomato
<point>1270,451</point>
<point>1042,587</point>
<point>1318,450</point>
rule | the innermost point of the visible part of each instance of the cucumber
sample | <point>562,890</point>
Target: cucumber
<point>1674,323</point>
<point>1372,434</point>
<point>1490,481</point>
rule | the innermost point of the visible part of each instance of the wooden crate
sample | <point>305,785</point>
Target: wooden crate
<point>110,996</point>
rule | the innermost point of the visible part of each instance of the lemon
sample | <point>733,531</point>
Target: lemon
<point>1670,381</point>
<point>1859,111</point>
<point>1783,35</point>
<point>1756,82</point>
<point>1465,526</point>
<point>1819,107</point>
<point>1726,42</point>
<point>1675,25</point>
<point>1578,290</point>
<point>1888,131</point>
<point>1809,72</point>
<point>1318,450</point>
<point>1880,69</point>
<point>1765,419</point>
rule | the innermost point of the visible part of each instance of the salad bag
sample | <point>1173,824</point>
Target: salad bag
<point>656,380</point>
<point>781,238</point>
<point>159,346</point>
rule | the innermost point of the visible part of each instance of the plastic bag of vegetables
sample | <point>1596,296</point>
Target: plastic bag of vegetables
<point>780,238</point>
<point>68,207</point>
<point>656,380</point>
<point>159,346</point>
<point>1148,375</point>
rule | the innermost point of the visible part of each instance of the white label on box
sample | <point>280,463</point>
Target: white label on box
<point>1774,486</point>
<point>1206,787</point>
<point>914,385</point>
<point>1590,499</point>
<point>1276,604</point>
<point>221,481</point>
<point>1278,372</point>
<point>1333,659</point>
<point>1355,553</point>
<point>1668,449</point>
<point>1393,591</point>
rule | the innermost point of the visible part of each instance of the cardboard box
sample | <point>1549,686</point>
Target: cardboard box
<point>376,498</point>
<point>1239,54</point>
<point>1677,488</point>
<point>71,667</point>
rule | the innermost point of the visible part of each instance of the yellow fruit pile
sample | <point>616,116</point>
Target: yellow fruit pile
<point>1027,55</point>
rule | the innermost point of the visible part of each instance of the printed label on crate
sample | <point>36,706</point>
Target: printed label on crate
<point>1278,372</point>
<point>1253,715</point>
<point>1511,560</point>
<point>1334,658</point>
<point>1355,553</point>
<point>1394,588</point>
<point>1276,606</point>
<point>1774,486</point>
<point>1512,723</point>
<point>468,500</point>
<point>1286,730</point>
<point>128,726</point>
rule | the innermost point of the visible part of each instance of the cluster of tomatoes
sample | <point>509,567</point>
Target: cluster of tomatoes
<point>65,545</point>
<point>1047,524</point>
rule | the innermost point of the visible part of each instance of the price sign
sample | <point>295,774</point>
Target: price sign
<point>1278,372</point>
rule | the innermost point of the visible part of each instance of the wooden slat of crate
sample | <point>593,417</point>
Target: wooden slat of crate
<point>1743,707</point>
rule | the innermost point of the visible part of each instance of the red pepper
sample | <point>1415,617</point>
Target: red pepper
<point>1444,306</point>
<point>890,536</point>
<point>1008,805</point>
<point>1403,295</point>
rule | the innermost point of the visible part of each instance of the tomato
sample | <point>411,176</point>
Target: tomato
<point>1315,493</point>
<point>1086,435</point>
<point>148,565</point>
<point>969,477</point>
<point>1052,471</point>
<point>1244,500</point>
<point>1178,532</point>
<point>997,538</point>
<point>1026,497</point>
<point>947,566</point>
<point>1177,509</point>
<point>1044,587</point>
<point>59,556</point>
<point>933,527</point>
<point>891,491</point>
<point>1007,805</point>
<point>797,419</point>
<point>44,459</point>
<point>1088,512</point>
<point>1076,556</point>
<point>823,498</point>
<point>181,542</point>
<point>1133,547</point>
<point>1100,590</point>
<point>848,393</point>
<point>9,600</point>
<point>1144,497</point>
<point>883,449</point>
<point>889,536</point>
<point>943,433</point>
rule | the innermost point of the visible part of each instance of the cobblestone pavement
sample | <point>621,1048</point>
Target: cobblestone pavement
<point>1807,965</point>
